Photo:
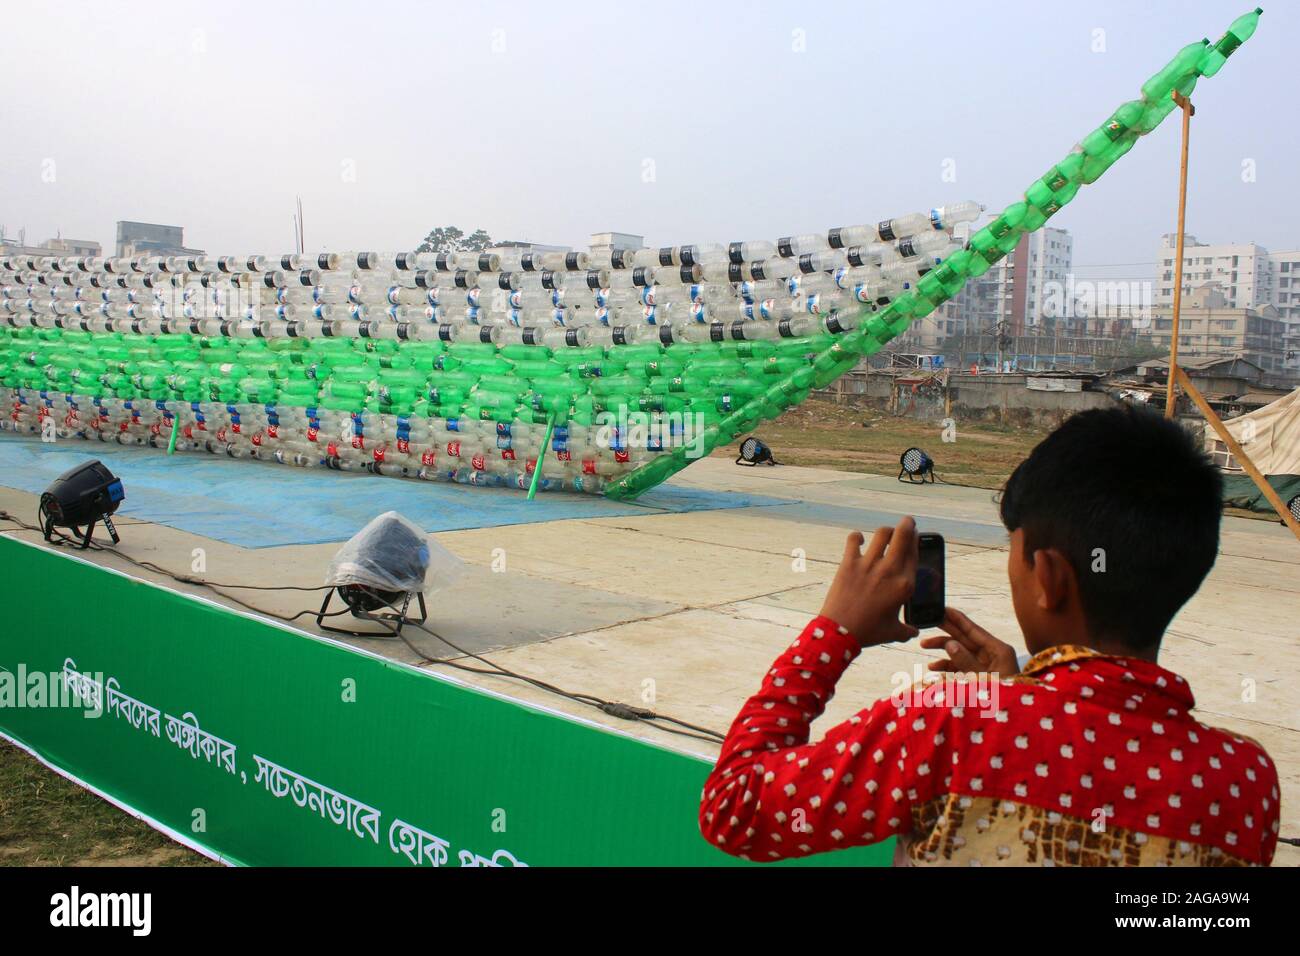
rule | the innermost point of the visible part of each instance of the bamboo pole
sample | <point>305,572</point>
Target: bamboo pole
<point>1243,459</point>
<point>1188,112</point>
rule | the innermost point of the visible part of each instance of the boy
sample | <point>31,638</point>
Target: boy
<point>1086,756</point>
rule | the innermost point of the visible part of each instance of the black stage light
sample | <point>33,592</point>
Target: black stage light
<point>754,451</point>
<point>916,465</point>
<point>81,496</point>
<point>377,573</point>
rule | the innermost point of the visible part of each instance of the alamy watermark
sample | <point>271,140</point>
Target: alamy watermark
<point>924,690</point>
<point>1129,300</point>
<point>36,689</point>
<point>623,429</point>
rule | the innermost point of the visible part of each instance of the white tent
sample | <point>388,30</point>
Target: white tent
<point>1269,435</point>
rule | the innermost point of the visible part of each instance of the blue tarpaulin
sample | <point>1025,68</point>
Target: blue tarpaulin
<point>259,505</point>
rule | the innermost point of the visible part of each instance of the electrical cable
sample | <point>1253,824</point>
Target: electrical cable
<point>64,540</point>
<point>612,708</point>
<point>957,484</point>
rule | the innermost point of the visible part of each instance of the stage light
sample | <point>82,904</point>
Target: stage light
<point>753,451</point>
<point>916,465</point>
<point>80,496</point>
<point>377,573</point>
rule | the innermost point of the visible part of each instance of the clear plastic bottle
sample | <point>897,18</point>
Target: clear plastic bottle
<point>383,261</point>
<point>635,277</point>
<point>792,246</point>
<point>442,261</point>
<point>812,284</point>
<point>889,230</point>
<point>535,298</point>
<point>570,260</point>
<point>662,256</point>
<point>824,261</point>
<point>923,244</point>
<point>946,217</point>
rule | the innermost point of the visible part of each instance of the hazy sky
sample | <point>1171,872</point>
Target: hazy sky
<point>684,121</point>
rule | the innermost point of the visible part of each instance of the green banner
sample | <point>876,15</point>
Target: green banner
<point>266,746</point>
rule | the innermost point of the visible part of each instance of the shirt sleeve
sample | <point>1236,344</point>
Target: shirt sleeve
<point>773,795</point>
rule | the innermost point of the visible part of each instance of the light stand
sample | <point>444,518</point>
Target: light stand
<point>377,607</point>
<point>81,496</point>
<point>917,466</point>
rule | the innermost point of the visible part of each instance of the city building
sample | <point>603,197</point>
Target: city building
<point>1242,269</point>
<point>1286,286</point>
<point>1210,326</point>
<point>1028,293</point>
<point>525,245</point>
<point>609,241</point>
<point>73,247</point>
<point>1249,275</point>
<point>971,312</point>
<point>10,246</point>
<point>1029,283</point>
<point>968,314</point>
<point>151,239</point>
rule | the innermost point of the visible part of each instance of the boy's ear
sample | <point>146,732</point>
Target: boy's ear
<point>1054,577</point>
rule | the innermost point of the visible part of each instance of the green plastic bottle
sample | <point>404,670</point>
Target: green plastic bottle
<point>1163,82</point>
<point>1241,30</point>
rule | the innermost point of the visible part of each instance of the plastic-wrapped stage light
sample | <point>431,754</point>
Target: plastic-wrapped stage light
<point>382,567</point>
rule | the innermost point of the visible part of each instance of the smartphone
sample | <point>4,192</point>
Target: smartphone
<point>926,607</point>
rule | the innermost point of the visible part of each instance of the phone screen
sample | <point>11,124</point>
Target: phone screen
<point>926,607</point>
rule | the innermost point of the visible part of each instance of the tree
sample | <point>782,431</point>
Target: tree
<point>477,241</point>
<point>452,239</point>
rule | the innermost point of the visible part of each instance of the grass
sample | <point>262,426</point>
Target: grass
<point>47,820</point>
<point>823,434</point>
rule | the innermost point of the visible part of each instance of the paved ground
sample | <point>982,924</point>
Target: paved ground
<point>683,612</point>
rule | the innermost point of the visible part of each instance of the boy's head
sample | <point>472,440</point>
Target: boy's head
<point>1114,522</point>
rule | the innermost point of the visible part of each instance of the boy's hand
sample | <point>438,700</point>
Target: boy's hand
<point>970,648</point>
<point>872,586</point>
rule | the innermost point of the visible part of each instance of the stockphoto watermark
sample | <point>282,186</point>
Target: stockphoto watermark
<point>1075,298</point>
<point>623,429</point>
<point>75,908</point>
<point>22,687</point>
<point>957,692</point>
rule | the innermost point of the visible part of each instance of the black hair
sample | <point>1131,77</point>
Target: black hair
<point>1141,489</point>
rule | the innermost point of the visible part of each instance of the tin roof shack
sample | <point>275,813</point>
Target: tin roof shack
<point>1219,375</point>
<point>1044,398</point>
<point>1223,380</point>
<point>1230,384</point>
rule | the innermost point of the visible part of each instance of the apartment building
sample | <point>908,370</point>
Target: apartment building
<point>1209,326</point>
<point>1249,276</point>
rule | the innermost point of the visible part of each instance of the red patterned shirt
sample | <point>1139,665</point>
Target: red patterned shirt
<point>1083,758</point>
